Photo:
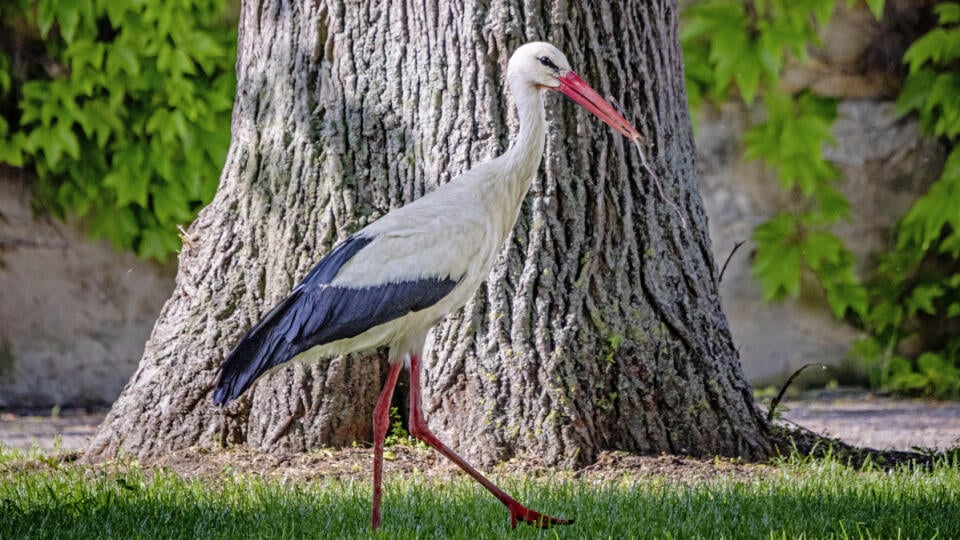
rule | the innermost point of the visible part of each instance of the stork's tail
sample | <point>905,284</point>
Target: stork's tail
<point>261,348</point>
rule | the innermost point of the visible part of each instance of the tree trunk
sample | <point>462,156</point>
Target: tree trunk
<point>601,326</point>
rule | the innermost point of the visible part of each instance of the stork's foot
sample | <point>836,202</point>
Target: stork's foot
<point>518,512</point>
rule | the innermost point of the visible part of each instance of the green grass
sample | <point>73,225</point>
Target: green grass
<point>800,498</point>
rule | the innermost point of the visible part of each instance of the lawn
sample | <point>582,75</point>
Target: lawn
<point>793,498</point>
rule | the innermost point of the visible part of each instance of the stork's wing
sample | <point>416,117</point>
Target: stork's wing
<point>318,312</point>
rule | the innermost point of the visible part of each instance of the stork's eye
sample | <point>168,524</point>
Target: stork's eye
<point>545,60</point>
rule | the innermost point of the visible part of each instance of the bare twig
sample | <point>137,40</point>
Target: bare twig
<point>783,389</point>
<point>729,257</point>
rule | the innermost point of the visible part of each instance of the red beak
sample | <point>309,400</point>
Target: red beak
<point>574,88</point>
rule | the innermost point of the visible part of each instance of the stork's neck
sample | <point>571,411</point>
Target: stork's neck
<point>518,165</point>
<point>527,149</point>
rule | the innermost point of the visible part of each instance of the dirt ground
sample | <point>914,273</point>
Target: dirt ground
<point>860,420</point>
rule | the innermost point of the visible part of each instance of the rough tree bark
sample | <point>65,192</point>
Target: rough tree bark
<point>601,326</point>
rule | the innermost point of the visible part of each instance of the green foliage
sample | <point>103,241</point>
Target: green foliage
<point>916,292</point>
<point>398,434</point>
<point>933,374</point>
<point>732,44</point>
<point>790,141</point>
<point>791,242</point>
<point>914,295</point>
<point>128,125</point>
<point>932,88</point>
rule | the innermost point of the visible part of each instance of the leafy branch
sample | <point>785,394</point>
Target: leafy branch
<point>741,48</point>
<point>129,124</point>
<point>915,295</point>
<point>738,49</point>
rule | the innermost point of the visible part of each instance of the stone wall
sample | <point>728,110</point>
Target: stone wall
<point>887,165</point>
<point>74,314</point>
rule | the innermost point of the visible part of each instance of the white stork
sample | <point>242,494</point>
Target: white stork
<point>389,283</point>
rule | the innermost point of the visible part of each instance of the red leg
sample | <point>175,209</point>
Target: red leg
<point>381,422</point>
<point>419,429</point>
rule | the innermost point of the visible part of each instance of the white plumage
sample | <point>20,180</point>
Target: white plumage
<point>389,283</point>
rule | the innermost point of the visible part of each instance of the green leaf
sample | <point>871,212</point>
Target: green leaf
<point>848,295</point>
<point>158,243</point>
<point>821,248</point>
<point>833,204</point>
<point>922,299</point>
<point>170,204</point>
<point>204,50</point>
<point>5,79</point>
<point>68,14</point>
<point>777,262</point>
<point>748,79</point>
<point>867,349</point>
<point>942,376</point>
<point>934,47</point>
<point>119,225</point>
<point>948,12</point>
<point>68,140</point>
<point>730,46</point>
<point>179,126</point>
<point>11,150</point>
<point>828,257</point>
<point>823,11</point>
<point>131,186</point>
<point>123,58</point>
<point>950,244</point>
<point>175,62</point>
<point>45,16</point>
<point>704,19</point>
<point>157,122</point>
<point>908,380</point>
<point>116,11</point>
<point>85,54</point>
<point>927,217</point>
<point>100,123</point>
<point>45,140</point>
<point>913,95</point>
<point>876,7</point>
<point>931,362</point>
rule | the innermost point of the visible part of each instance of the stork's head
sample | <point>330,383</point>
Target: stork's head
<point>539,64</point>
<point>542,65</point>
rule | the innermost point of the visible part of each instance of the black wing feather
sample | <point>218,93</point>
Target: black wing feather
<point>316,313</point>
